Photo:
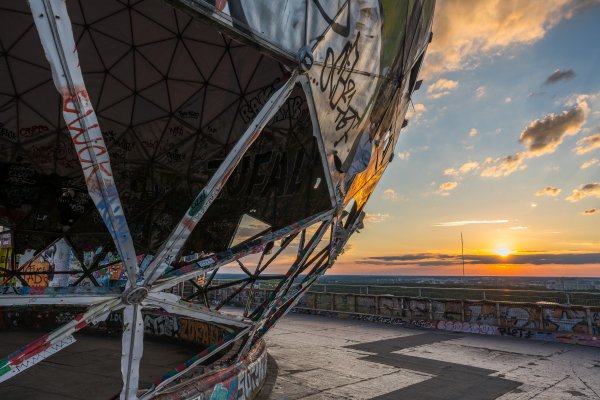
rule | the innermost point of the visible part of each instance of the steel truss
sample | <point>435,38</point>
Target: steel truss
<point>319,239</point>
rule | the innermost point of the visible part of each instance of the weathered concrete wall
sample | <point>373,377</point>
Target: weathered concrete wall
<point>241,381</point>
<point>156,323</point>
<point>561,323</point>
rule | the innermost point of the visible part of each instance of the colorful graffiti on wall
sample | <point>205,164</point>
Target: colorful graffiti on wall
<point>558,323</point>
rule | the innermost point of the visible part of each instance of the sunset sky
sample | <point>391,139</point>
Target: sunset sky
<point>503,145</point>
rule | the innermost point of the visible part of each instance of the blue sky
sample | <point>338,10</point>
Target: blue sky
<point>524,69</point>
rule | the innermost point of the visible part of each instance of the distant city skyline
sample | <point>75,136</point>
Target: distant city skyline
<point>503,145</point>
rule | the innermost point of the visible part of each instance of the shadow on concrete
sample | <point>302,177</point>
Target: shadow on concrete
<point>272,371</point>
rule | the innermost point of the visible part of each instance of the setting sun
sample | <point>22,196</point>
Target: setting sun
<point>503,251</point>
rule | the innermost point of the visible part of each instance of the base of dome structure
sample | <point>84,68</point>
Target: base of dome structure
<point>91,362</point>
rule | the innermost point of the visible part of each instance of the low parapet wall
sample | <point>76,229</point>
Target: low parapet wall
<point>542,321</point>
<point>241,381</point>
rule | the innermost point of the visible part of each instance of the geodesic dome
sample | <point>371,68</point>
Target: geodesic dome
<point>140,141</point>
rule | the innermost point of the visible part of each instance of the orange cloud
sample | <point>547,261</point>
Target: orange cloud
<point>447,187</point>
<point>589,163</point>
<point>441,88</point>
<point>588,143</point>
<point>465,31</point>
<point>503,166</point>
<point>588,190</point>
<point>548,191</point>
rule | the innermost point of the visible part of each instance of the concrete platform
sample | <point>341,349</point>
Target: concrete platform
<point>315,357</point>
<point>88,369</point>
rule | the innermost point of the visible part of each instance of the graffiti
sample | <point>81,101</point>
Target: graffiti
<point>176,130</point>
<point>467,327</point>
<point>222,393</point>
<point>7,133</point>
<point>33,130</point>
<point>293,108</point>
<point>481,316</point>
<point>97,160</point>
<point>519,317</point>
<point>250,380</point>
<point>161,325</point>
<point>188,114</point>
<point>199,332</point>
<point>336,80</point>
<point>13,366</point>
<point>566,320</point>
<point>197,203</point>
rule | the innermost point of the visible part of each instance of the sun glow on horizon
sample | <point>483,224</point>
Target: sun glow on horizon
<point>503,250</point>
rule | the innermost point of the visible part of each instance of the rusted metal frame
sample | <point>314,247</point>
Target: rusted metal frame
<point>208,194</point>
<point>191,363</point>
<point>33,300</point>
<point>199,291</point>
<point>263,311</point>
<point>37,350</point>
<point>53,21</point>
<point>132,344</point>
<point>228,284</point>
<point>311,277</point>
<point>16,296</point>
<point>219,286</point>
<point>95,263</point>
<point>271,316</point>
<point>173,304</point>
<point>243,268</point>
<point>286,242</point>
<point>300,262</point>
<point>233,294</point>
<point>86,272</point>
<point>194,269</point>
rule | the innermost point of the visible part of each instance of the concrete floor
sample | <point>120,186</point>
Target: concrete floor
<point>322,358</point>
<point>314,357</point>
<point>87,369</point>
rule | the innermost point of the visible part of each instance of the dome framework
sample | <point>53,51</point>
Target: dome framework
<point>173,122</point>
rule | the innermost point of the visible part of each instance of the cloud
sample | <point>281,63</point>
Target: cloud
<point>375,218</point>
<point>591,211</point>
<point>480,91</point>
<point>472,222</point>
<point>517,228</point>
<point>403,155</point>
<point>558,76</point>
<point>431,259</point>
<point>588,190</point>
<point>463,169</point>
<point>441,88</point>
<point>450,172</point>
<point>587,144</point>
<point>420,107</point>
<point>548,191</point>
<point>446,187</point>
<point>503,166</point>
<point>473,132</point>
<point>589,163</point>
<point>390,194</point>
<point>542,136</point>
<point>465,32</point>
<point>545,135</point>
<point>417,111</point>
